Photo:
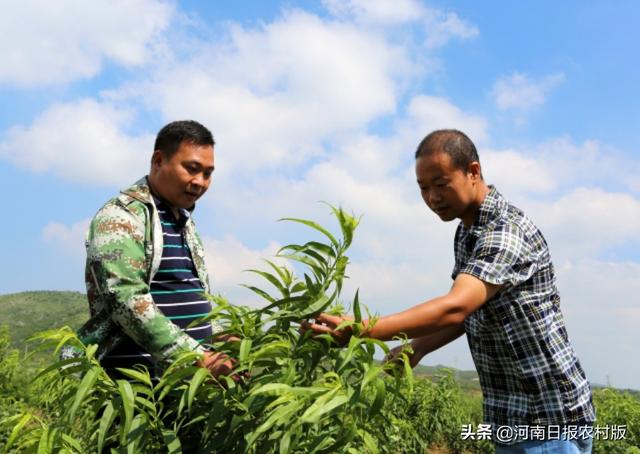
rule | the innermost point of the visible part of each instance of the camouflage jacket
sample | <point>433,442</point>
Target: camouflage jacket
<point>124,248</point>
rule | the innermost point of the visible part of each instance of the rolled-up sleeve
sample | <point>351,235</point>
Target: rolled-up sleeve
<point>501,256</point>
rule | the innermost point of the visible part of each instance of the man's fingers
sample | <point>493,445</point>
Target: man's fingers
<point>320,329</point>
<point>330,320</point>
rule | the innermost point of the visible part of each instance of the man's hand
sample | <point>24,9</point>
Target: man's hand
<point>327,324</point>
<point>414,352</point>
<point>218,363</point>
<point>422,346</point>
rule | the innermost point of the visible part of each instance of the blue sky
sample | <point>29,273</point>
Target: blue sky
<point>326,101</point>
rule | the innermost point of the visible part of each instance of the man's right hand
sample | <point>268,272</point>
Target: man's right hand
<point>218,363</point>
<point>414,358</point>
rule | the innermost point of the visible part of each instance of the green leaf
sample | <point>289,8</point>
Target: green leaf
<point>354,343</point>
<point>285,443</point>
<point>298,287</point>
<point>171,378</point>
<point>323,406</point>
<point>171,441</point>
<point>317,268</point>
<point>137,431</point>
<point>283,272</point>
<point>44,445</point>
<point>379,398</point>
<point>369,442</point>
<point>317,227</point>
<point>322,248</point>
<point>136,375</point>
<point>63,341</point>
<point>16,430</point>
<point>260,292</point>
<point>348,224</point>
<point>84,389</point>
<point>108,416</point>
<point>245,348</point>
<point>281,415</point>
<point>59,365</point>
<point>356,308</point>
<point>128,405</point>
<point>198,378</point>
<point>70,441</point>
<point>317,306</point>
<point>272,279</point>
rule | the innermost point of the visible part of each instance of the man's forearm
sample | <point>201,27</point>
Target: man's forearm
<point>467,294</point>
<point>431,342</point>
<point>422,320</point>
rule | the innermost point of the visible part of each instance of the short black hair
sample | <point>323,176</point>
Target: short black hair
<point>455,143</point>
<point>172,135</point>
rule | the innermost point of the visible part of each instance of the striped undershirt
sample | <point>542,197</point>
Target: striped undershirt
<point>175,289</point>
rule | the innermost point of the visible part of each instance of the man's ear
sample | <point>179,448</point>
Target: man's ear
<point>157,158</point>
<point>475,171</point>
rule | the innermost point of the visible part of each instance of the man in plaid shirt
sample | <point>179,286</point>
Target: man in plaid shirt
<point>504,297</point>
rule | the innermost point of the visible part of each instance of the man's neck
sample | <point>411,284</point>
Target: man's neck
<point>472,214</point>
<point>174,210</point>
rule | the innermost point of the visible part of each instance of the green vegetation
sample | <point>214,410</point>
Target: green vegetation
<point>31,312</point>
<point>297,394</point>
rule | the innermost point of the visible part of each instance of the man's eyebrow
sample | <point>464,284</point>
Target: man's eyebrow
<point>197,164</point>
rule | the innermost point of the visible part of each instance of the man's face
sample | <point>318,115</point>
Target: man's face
<point>448,191</point>
<point>182,179</point>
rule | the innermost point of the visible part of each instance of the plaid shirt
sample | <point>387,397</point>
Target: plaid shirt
<point>528,370</point>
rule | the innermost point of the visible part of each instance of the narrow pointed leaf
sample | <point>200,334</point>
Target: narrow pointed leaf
<point>317,227</point>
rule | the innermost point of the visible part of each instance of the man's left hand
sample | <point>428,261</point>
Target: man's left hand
<point>327,324</point>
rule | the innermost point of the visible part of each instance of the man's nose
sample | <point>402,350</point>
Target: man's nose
<point>434,197</point>
<point>198,180</point>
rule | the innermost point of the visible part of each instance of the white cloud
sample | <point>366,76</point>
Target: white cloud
<point>519,92</point>
<point>439,26</point>
<point>379,11</point>
<point>514,172</point>
<point>587,221</point>
<point>67,239</point>
<point>82,141</point>
<point>427,113</point>
<point>589,163</point>
<point>272,94</point>
<point>228,258</point>
<point>48,43</point>
<point>601,309</point>
<point>442,27</point>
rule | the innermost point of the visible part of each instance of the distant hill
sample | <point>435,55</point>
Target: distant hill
<point>29,312</point>
<point>468,379</point>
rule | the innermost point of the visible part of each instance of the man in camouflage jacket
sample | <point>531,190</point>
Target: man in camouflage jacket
<point>123,254</point>
<point>125,245</point>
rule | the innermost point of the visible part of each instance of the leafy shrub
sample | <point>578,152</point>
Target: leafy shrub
<point>303,395</point>
<point>616,408</point>
<point>432,417</point>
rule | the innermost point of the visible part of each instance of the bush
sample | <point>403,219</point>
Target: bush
<point>615,408</point>
<point>303,395</point>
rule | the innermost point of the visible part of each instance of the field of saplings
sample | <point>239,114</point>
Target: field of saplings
<point>299,393</point>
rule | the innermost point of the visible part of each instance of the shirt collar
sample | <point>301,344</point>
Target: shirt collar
<point>487,211</point>
<point>183,214</point>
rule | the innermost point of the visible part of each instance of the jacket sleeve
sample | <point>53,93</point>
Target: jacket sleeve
<point>116,260</point>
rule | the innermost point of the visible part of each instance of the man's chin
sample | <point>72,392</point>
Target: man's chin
<point>446,217</point>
